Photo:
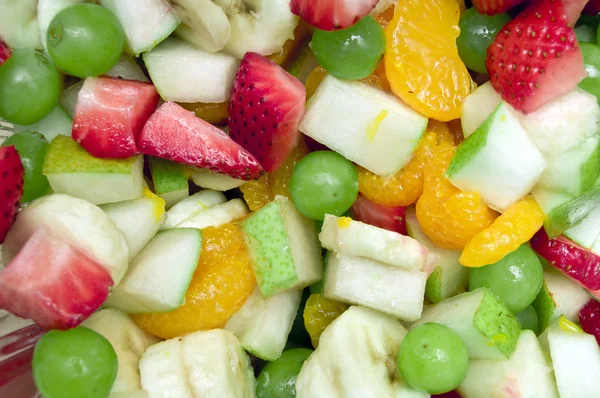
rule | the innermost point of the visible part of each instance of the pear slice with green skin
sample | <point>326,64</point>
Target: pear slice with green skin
<point>477,106</point>
<point>587,233</point>
<point>284,248</point>
<point>217,215</point>
<point>487,327</point>
<point>55,123</point>
<point>191,205</point>
<point>170,180</point>
<point>206,178</point>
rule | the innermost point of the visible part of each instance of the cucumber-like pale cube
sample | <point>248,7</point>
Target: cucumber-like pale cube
<point>527,374</point>
<point>206,178</point>
<point>477,106</point>
<point>55,123</point>
<point>263,324</point>
<point>184,73</point>
<point>366,125</point>
<point>159,276</point>
<point>487,327</point>
<point>145,22</point>
<point>587,233</point>
<point>170,180</point>
<point>284,248</point>
<point>18,24</point>
<point>217,215</point>
<point>163,372</point>
<point>73,171</point>
<point>354,238</point>
<point>385,288</point>
<point>191,205</point>
<point>498,161</point>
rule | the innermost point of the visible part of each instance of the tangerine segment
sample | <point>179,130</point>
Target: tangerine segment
<point>514,227</point>
<point>404,187</point>
<point>450,217</point>
<point>213,113</point>
<point>319,313</point>
<point>220,286</point>
<point>442,130</point>
<point>421,58</point>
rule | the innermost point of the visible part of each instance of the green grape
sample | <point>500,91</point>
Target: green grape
<point>528,319</point>
<point>32,149</point>
<point>74,363</point>
<point>278,378</point>
<point>433,358</point>
<point>586,34</point>
<point>591,59</point>
<point>323,182</point>
<point>516,279</point>
<point>477,32</point>
<point>85,40</point>
<point>29,87</point>
<point>351,53</point>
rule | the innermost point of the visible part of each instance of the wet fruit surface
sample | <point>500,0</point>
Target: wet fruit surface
<point>212,113</point>
<point>319,313</point>
<point>220,286</point>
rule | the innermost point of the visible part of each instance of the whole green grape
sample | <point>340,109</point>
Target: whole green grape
<point>351,53</point>
<point>433,358</point>
<point>278,378</point>
<point>74,363</point>
<point>528,319</point>
<point>591,60</point>
<point>29,87</point>
<point>323,182</point>
<point>32,149</point>
<point>477,32</point>
<point>516,279</point>
<point>85,40</point>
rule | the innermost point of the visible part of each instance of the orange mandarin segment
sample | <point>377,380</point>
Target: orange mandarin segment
<point>319,313</point>
<point>442,130</point>
<point>212,113</point>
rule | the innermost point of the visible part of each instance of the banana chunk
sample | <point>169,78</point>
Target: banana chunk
<point>203,24</point>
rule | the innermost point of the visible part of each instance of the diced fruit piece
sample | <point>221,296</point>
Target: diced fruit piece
<point>319,312</point>
<point>364,124</point>
<point>184,73</point>
<point>264,91</point>
<point>176,134</point>
<point>138,219</point>
<point>209,363</point>
<point>85,226</point>
<point>587,233</point>
<point>382,287</point>
<point>278,379</point>
<point>18,24</point>
<point>54,123</point>
<point>354,238</point>
<point>392,218</point>
<point>591,57</point>
<point>487,327</point>
<point>52,282</point>
<point>512,377</point>
<point>110,114</point>
<point>215,216</point>
<point>493,7</point>
<point>73,171</point>
<point>203,24</point>
<point>284,248</point>
<point>129,343</point>
<point>127,68</point>
<point>330,14</point>
<point>448,276</point>
<point>545,69</point>
<point>589,317</point>
<point>145,24</point>
<point>170,180</point>
<point>209,179</point>
<point>68,98</point>
<point>477,106</point>
<point>159,276</point>
<point>263,325</point>
<point>12,176</point>
<point>189,206</point>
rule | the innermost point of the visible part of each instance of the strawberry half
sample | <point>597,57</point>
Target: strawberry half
<point>110,114</point>
<point>535,58</point>
<point>265,109</point>
<point>177,134</point>
<point>493,7</point>
<point>392,218</point>
<point>52,282</point>
<point>589,318</point>
<point>332,14</point>
<point>12,174</point>
<point>5,51</point>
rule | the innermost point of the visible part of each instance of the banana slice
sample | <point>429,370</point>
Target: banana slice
<point>261,26</point>
<point>203,24</point>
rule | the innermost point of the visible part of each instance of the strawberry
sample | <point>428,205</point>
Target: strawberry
<point>176,134</point>
<point>535,58</point>
<point>5,51</point>
<point>493,7</point>
<point>12,174</point>
<point>110,114</point>
<point>332,14</point>
<point>52,282</point>
<point>589,318</point>
<point>392,218</point>
<point>265,109</point>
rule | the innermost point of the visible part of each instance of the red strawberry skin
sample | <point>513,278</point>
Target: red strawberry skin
<point>265,108</point>
<point>53,283</point>
<point>177,134</point>
<point>332,14</point>
<point>392,218</point>
<point>110,114</point>
<point>589,318</point>
<point>535,58</point>
<point>5,51</point>
<point>493,7</point>
<point>12,174</point>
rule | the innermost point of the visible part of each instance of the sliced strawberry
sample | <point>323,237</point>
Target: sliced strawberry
<point>11,187</point>
<point>52,282</point>
<point>392,218</point>
<point>110,114</point>
<point>332,14</point>
<point>265,109</point>
<point>176,134</point>
<point>535,58</point>
<point>5,51</point>
<point>493,7</point>
<point>589,318</point>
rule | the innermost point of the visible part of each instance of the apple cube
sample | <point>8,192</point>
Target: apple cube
<point>587,233</point>
<point>191,205</point>
<point>477,106</point>
<point>170,180</point>
<point>216,215</point>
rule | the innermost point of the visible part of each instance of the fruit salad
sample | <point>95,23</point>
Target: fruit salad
<point>300,198</point>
